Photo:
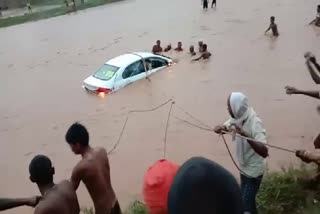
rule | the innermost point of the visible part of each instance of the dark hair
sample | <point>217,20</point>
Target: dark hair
<point>41,170</point>
<point>203,186</point>
<point>77,133</point>
<point>204,46</point>
<point>272,17</point>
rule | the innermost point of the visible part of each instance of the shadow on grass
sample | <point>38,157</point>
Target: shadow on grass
<point>5,22</point>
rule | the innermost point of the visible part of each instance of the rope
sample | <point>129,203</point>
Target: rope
<point>269,145</point>
<point>232,134</point>
<point>127,118</point>
<point>166,132</point>
<point>192,124</point>
<point>234,162</point>
<point>224,140</point>
<point>194,118</point>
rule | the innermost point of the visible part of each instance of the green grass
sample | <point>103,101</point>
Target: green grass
<point>289,191</point>
<point>62,10</point>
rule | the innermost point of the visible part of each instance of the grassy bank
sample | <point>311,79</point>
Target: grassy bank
<point>61,9</point>
<point>288,191</point>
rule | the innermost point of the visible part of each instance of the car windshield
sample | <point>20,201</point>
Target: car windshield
<point>106,72</point>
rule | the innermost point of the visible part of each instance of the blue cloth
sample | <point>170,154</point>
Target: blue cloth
<point>249,190</point>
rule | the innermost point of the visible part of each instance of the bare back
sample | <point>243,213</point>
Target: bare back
<point>61,199</point>
<point>94,172</point>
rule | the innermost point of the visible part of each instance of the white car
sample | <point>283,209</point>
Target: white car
<point>123,70</point>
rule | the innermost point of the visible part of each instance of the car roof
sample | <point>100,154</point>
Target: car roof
<point>128,58</point>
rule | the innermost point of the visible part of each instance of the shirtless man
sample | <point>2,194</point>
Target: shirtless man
<point>93,170</point>
<point>56,198</point>
<point>157,47</point>
<point>168,48</point>
<point>191,50</point>
<point>9,203</point>
<point>205,55</point>
<point>179,48</point>
<point>200,43</point>
<point>273,26</point>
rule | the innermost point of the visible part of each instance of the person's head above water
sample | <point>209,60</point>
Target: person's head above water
<point>204,47</point>
<point>237,105</point>
<point>200,43</point>
<point>158,42</point>
<point>318,8</point>
<point>191,49</point>
<point>77,137</point>
<point>179,44</point>
<point>203,186</point>
<point>41,170</point>
<point>272,19</point>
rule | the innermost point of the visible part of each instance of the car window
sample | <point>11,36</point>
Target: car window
<point>106,72</point>
<point>154,62</point>
<point>133,69</point>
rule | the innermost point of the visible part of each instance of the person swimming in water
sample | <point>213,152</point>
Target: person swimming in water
<point>179,48</point>
<point>157,47</point>
<point>205,54</point>
<point>273,26</point>
<point>168,48</point>
<point>200,44</point>
<point>192,52</point>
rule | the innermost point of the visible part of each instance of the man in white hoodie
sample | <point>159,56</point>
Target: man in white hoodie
<point>251,154</point>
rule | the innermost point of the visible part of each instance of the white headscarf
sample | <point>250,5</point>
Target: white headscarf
<point>239,107</point>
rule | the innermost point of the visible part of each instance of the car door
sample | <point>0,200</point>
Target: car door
<point>154,64</point>
<point>131,73</point>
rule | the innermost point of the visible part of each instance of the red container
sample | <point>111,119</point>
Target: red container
<point>156,185</point>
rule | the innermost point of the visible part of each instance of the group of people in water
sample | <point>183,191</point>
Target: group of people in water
<point>203,49</point>
<point>198,186</point>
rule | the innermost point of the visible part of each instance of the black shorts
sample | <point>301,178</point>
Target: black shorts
<point>205,4</point>
<point>116,209</point>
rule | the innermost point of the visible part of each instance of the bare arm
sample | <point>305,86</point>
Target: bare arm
<point>308,157</point>
<point>312,72</point>
<point>6,203</point>
<point>197,59</point>
<point>76,177</point>
<point>292,90</point>
<point>268,28</point>
<point>314,94</point>
<point>312,22</point>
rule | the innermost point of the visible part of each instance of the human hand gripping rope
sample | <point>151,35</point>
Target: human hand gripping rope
<point>203,126</point>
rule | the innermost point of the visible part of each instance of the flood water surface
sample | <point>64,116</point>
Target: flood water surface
<point>44,63</point>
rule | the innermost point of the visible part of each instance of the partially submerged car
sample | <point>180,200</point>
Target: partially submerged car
<point>123,70</point>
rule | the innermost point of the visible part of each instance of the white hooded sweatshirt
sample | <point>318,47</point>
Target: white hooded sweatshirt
<point>250,162</point>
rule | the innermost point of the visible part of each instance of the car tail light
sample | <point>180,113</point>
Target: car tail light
<point>102,91</point>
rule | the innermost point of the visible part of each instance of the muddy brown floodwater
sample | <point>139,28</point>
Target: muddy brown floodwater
<point>43,65</point>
